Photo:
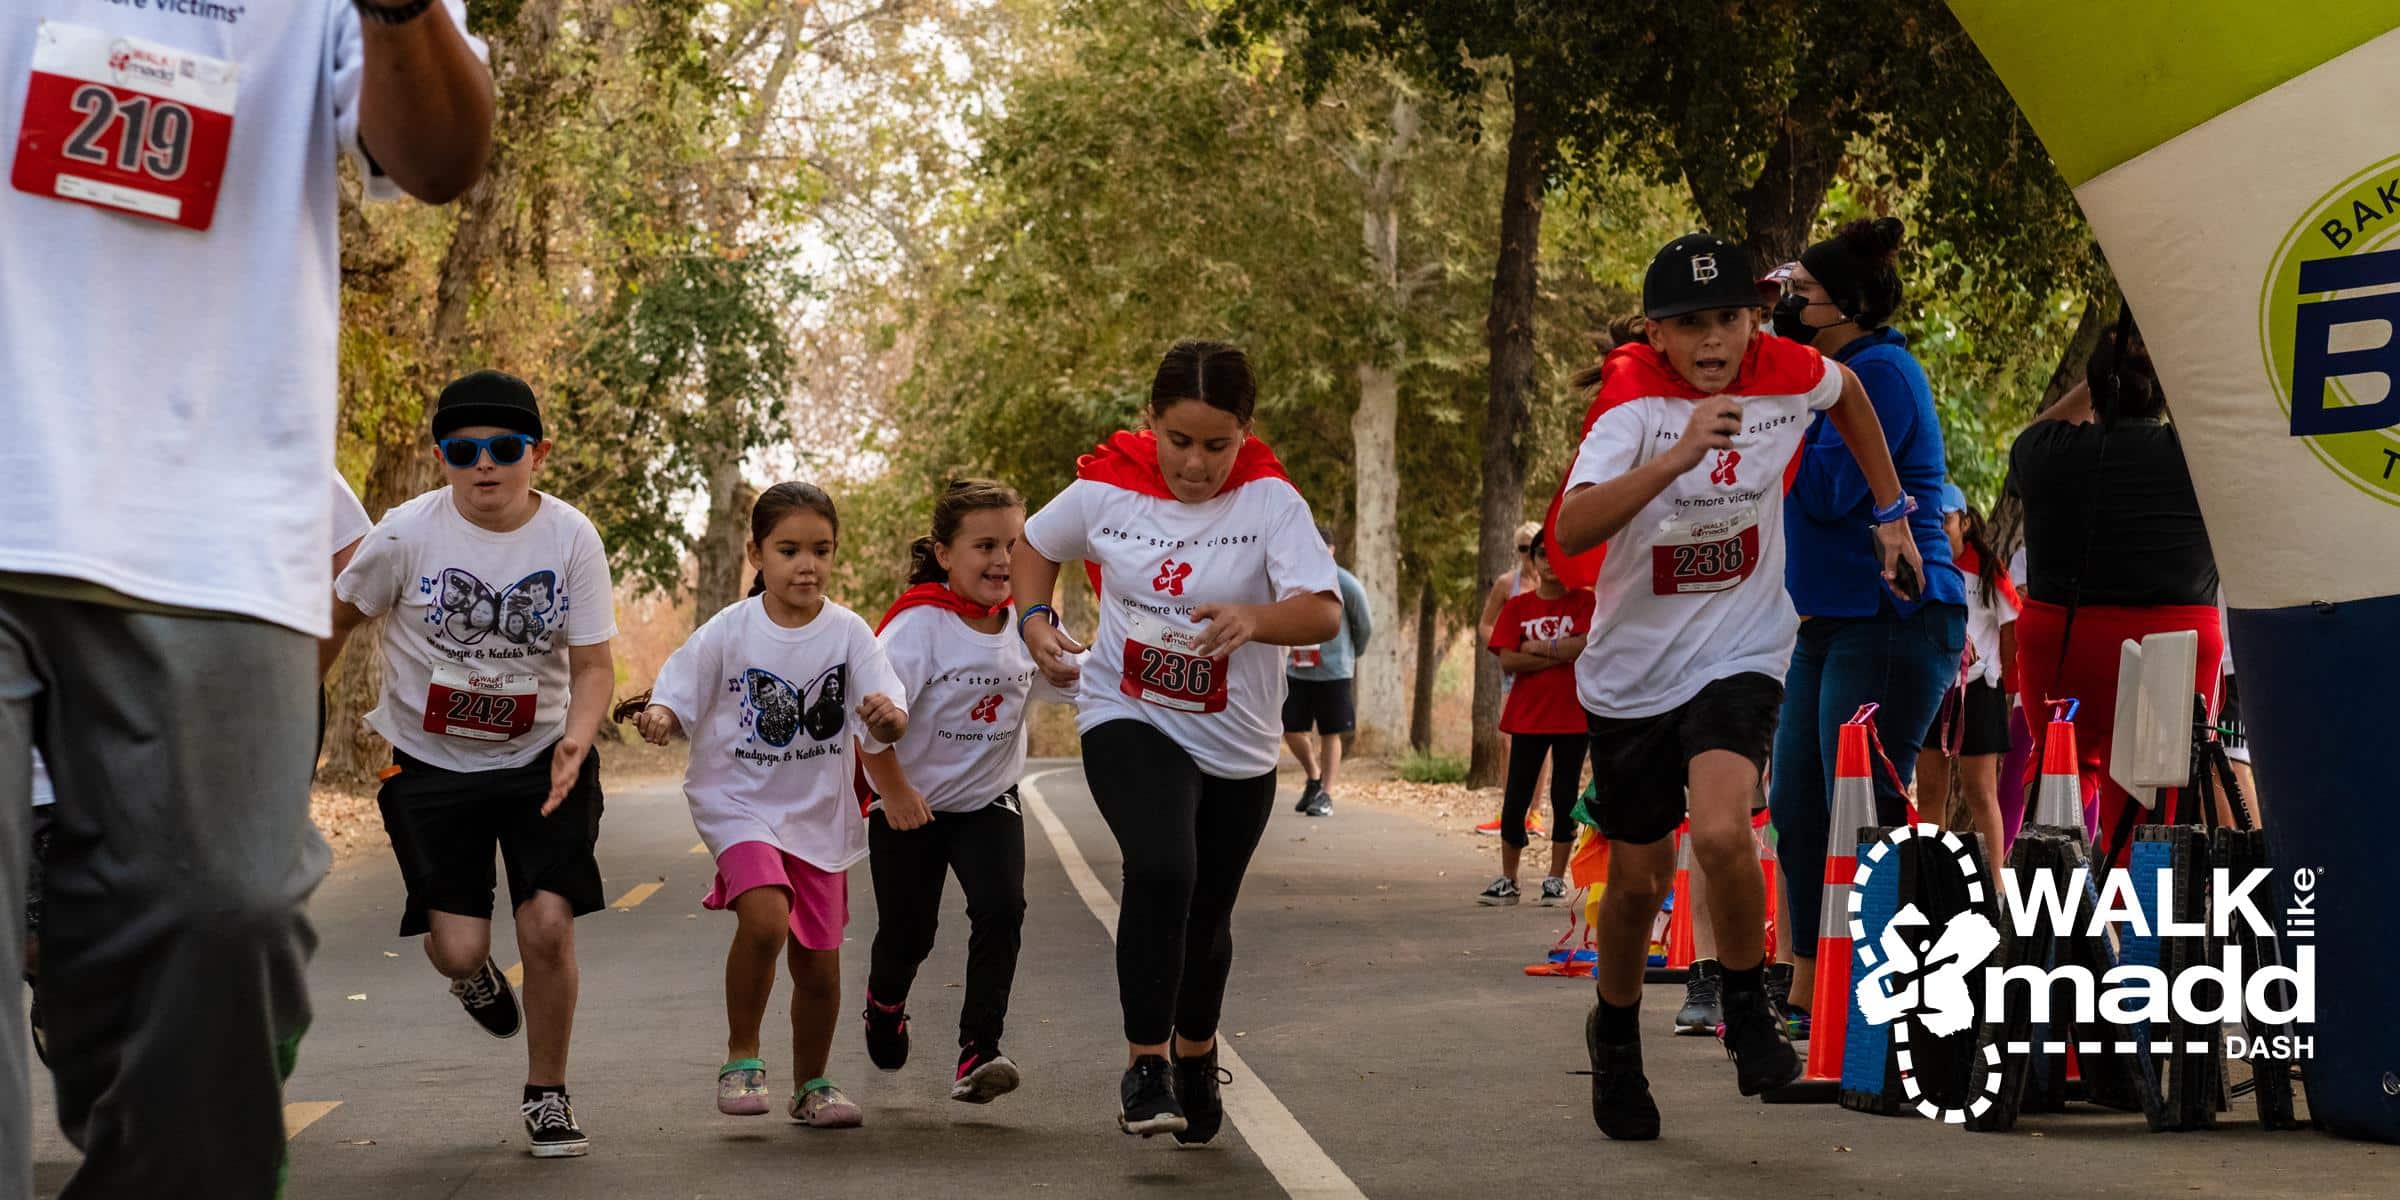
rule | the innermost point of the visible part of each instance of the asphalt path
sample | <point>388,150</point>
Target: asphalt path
<point>1388,1044</point>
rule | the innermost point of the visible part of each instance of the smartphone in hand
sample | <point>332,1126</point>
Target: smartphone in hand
<point>1904,580</point>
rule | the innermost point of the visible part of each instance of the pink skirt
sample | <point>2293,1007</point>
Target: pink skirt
<point>820,900</point>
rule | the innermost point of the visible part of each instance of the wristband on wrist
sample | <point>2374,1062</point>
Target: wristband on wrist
<point>1894,511</point>
<point>1035,611</point>
<point>391,14</point>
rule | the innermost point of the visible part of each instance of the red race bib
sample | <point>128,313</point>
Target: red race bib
<point>125,124</point>
<point>1709,556</point>
<point>1308,659</point>
<point>495,706</point>
<point>1161,669</point>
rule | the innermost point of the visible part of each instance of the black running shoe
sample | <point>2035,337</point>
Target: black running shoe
<point>1703,991</point>
<point>1308,796</point>
<point>1196,1084</point>
<point>1779,995</point>
<point>1621,1103</point>
<point>887,1034</point>
<point>41,1041</point>
<point>487,997</point>
<point>1321,805</point>
<point>1146,1100</point>
<point>550,1129</point>
<point>1761,1049</point>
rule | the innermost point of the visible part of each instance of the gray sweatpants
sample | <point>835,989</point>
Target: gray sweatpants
<point>181,854</point>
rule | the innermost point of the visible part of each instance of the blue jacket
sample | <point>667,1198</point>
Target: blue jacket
<point>1830,565</point>
<point>1341,653</point>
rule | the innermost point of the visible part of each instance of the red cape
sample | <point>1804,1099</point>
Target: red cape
<point>1773,366</point>
<point>1129,460</point>
<point>938,595</point>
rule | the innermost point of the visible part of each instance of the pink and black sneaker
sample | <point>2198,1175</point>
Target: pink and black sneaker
<point>984,1075</point>
<point>887,1034</point>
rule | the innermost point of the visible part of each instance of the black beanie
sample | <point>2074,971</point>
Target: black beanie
<point>1855,265</point>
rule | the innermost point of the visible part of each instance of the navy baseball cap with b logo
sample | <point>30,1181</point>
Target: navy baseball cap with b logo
<point>1696,272</point>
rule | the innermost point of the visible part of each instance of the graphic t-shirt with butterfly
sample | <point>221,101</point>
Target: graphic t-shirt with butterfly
<point>477,626</point>
<point>968,696</point>
<point>771,713</point>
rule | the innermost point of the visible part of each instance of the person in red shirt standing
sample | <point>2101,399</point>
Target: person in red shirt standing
<point>1537,636</point>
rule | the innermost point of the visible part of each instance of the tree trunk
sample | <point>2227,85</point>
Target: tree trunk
<point>718,576</point>
<point>1780,207</point>
<point>1429,668</point>
<point>1374,437</point>
<point>1510,330</point>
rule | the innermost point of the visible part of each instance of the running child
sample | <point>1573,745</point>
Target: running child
<point>953,808</point>
<point>1538,635</point>
<point>773,691</point>
<point>491,737</point>
<point>1208,563</point>
<point>1680,474</point>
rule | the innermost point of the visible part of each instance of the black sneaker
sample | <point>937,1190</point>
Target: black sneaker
<point>1146,1100</point>
<point>887,1034</point>
<point>1703,995</point>
<point>984,1075</point>
<point>1322,806</point>
<point>1779,996</point>
<point>1761,1049</point>
<point>1621,1103</point>
<point>1502,892</point>
<point>1308,796</point>
<point>550,1129</point>
<point>1196,1084</point>
<point>487,997</point>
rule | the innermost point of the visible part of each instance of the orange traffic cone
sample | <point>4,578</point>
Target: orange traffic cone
<point>1681,946</point>
<point>2058,801</point>
<point>1853,807</point>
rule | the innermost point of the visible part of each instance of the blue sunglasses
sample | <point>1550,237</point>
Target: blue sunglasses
<point>505,448</point>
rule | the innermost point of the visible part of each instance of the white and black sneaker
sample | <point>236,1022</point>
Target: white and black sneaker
<point>1308,796</point>
<point>550,1129</point>
<point>1319,806</point>
<point>1554,892</point>
<point>1146,1101</point>
<point>1503,891</point>
<point>487,997</point>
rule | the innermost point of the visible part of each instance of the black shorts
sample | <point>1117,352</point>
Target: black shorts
<point>1322,705</point>
<point>1640,764</point>
<point>444,825</point>
<point>1979,726</point>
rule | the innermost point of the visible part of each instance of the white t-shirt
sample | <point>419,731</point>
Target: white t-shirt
<point>1983,630</point>
<point>1692,589</point>
<point>204,358</point>
<point>478,628</point>
<point>969,695</point>
<point>772,714</point>
<point>1160,559</point>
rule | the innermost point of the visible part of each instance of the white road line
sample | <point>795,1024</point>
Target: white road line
<point>1295,1159</point>
<point>300,1114</point>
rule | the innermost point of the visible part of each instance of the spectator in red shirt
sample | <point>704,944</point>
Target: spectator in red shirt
<point>1537,636</point>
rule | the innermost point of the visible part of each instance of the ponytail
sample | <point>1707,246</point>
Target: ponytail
<point>925,566</point>
<point>758,583</point>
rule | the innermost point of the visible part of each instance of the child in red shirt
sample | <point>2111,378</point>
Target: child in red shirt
<point>1537,636</point>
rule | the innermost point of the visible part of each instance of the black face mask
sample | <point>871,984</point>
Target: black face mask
<point>1787,322</point>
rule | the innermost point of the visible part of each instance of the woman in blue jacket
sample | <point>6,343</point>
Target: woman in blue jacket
<point>1860,642</point>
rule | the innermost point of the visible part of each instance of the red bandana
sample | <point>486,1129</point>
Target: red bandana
<point>1773,366</point>
<point>1129,460</point>
<point>938,595</point>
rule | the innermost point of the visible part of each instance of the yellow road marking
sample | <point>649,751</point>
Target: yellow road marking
<point>300,1114</point>
<point>640,892</point>
<point>699,847</point>
<point>515,975</point>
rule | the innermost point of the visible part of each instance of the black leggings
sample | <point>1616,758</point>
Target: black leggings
<point>1525,754</point>
<point>986,848</point>
<point>1186,838</point>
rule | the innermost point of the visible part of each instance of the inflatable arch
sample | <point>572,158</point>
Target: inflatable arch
<point>2240,163</point>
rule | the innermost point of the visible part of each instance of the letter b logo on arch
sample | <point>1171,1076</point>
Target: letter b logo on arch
<point>2329,323</point>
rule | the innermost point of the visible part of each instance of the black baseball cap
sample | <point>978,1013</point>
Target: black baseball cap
<point>494,398</point>
<point>1696,272</point>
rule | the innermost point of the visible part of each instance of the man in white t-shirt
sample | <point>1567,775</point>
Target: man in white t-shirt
<point>169,276</point>
<point>1680,474</point>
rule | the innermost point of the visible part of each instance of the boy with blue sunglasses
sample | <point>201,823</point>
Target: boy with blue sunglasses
<point>498,614</point>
